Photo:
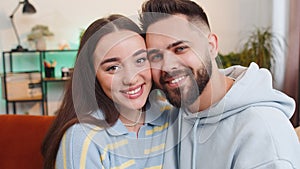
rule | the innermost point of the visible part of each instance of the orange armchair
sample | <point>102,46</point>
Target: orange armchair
<point>21,137</point>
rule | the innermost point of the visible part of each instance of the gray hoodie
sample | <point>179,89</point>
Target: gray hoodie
<point>248,128</point>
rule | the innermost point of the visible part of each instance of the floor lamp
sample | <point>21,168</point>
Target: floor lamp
<point>27,8</point>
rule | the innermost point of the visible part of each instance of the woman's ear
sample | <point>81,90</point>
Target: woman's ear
<point>213,44</point>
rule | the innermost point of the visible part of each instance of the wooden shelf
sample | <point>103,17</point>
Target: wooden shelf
<point>40,57</point>
<point>26,99</point>
<point>56,79</point>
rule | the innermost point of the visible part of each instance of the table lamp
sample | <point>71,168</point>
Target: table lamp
<point>27,8</point>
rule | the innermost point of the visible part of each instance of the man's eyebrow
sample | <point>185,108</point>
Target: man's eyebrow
<point>109,60</point>
<point>176,43</point>
<point>139,52</point>
<point>151,51</point>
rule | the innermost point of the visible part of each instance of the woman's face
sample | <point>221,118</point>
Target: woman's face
<point>123,70</point>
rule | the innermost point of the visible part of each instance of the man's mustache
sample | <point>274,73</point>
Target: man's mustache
<point>166,76</point>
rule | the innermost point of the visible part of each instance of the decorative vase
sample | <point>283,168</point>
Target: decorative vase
<point>40,44</point>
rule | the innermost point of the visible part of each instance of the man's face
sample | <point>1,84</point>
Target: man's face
<point>180,59</point>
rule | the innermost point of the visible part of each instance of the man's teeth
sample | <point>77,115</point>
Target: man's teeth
<point>177,79</point>
<point>134,91</point>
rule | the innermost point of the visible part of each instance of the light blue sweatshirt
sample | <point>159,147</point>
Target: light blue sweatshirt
<point>248,129</point>
<point>86,146</point>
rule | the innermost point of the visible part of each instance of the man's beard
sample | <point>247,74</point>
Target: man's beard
<point>187,94</point>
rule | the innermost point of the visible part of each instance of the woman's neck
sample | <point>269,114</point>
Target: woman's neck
<point>132,120</point>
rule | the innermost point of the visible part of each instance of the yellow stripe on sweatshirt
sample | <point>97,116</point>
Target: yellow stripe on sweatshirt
<point>155,167</point>
<point>64,151</point>
<point>125,165</point>
<point>85,146</point>
<point>155,148</point>
<point>113,146</point>
<point>157,129</point>
<point>164,108</point>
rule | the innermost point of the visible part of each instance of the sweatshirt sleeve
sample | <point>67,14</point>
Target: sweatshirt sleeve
<point>77,149</point>
<point>276,164</point>
<point>268,142</point>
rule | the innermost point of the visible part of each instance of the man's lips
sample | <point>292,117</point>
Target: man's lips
<point>175,81</point>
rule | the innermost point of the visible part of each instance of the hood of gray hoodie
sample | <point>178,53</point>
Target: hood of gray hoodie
<point>252,87</point>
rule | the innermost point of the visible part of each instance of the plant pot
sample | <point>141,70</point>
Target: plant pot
<point>49,72</point>
<point>40,44</point>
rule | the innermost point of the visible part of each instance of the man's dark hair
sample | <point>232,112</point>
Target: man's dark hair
<point>155,10</point>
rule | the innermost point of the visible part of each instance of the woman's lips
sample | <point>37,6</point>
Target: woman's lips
<point>134,92</point>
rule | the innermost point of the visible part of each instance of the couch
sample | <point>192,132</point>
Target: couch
<point>297,129</point>
<point>21,137</point>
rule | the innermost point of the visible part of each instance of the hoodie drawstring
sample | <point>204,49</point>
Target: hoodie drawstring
<point>179,138</point>
<point>195,144</point>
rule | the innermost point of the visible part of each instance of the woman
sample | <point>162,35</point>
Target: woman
<point>102,121</point>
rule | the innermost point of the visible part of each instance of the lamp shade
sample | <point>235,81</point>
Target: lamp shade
<point>28,7</point>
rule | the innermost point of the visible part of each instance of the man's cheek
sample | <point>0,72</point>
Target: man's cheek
<point>155,77</point>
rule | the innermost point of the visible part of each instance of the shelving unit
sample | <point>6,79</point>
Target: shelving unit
<point>32,64</point>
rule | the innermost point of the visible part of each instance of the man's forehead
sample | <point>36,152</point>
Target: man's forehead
<point>175,27</point>
<point>167,26</point>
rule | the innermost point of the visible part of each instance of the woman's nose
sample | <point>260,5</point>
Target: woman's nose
<point>130,76</point>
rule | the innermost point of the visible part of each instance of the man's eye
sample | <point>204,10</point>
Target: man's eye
<point>180,49</point>
<point>156,57</point>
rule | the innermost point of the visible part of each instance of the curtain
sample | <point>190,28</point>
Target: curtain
<point>292,76</point>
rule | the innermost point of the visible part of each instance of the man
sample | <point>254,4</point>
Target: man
<point>231,119</point>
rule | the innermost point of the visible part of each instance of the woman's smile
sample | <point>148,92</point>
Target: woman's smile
<point>133,92</point>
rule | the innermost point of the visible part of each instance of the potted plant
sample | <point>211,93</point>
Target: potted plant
<point>37,35</point>
<point>261,47</point>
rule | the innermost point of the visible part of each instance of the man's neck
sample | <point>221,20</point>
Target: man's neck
<point>215,90</point>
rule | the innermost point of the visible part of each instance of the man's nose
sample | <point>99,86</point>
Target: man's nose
<point>170,62</point>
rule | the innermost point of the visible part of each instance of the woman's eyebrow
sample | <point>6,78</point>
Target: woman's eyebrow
<point>116,59</point>
<point>110,60</point>
<point>139,52</point>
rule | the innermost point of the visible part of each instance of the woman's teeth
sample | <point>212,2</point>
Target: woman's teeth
<point>134,91</point>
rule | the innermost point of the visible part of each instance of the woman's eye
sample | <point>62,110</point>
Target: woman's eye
<point>156,57</point>
<point>180,49</point>
<point>112,69</point>
<point>141,60</point>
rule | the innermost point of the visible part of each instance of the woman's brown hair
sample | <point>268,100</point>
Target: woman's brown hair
<point>83,94</point>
